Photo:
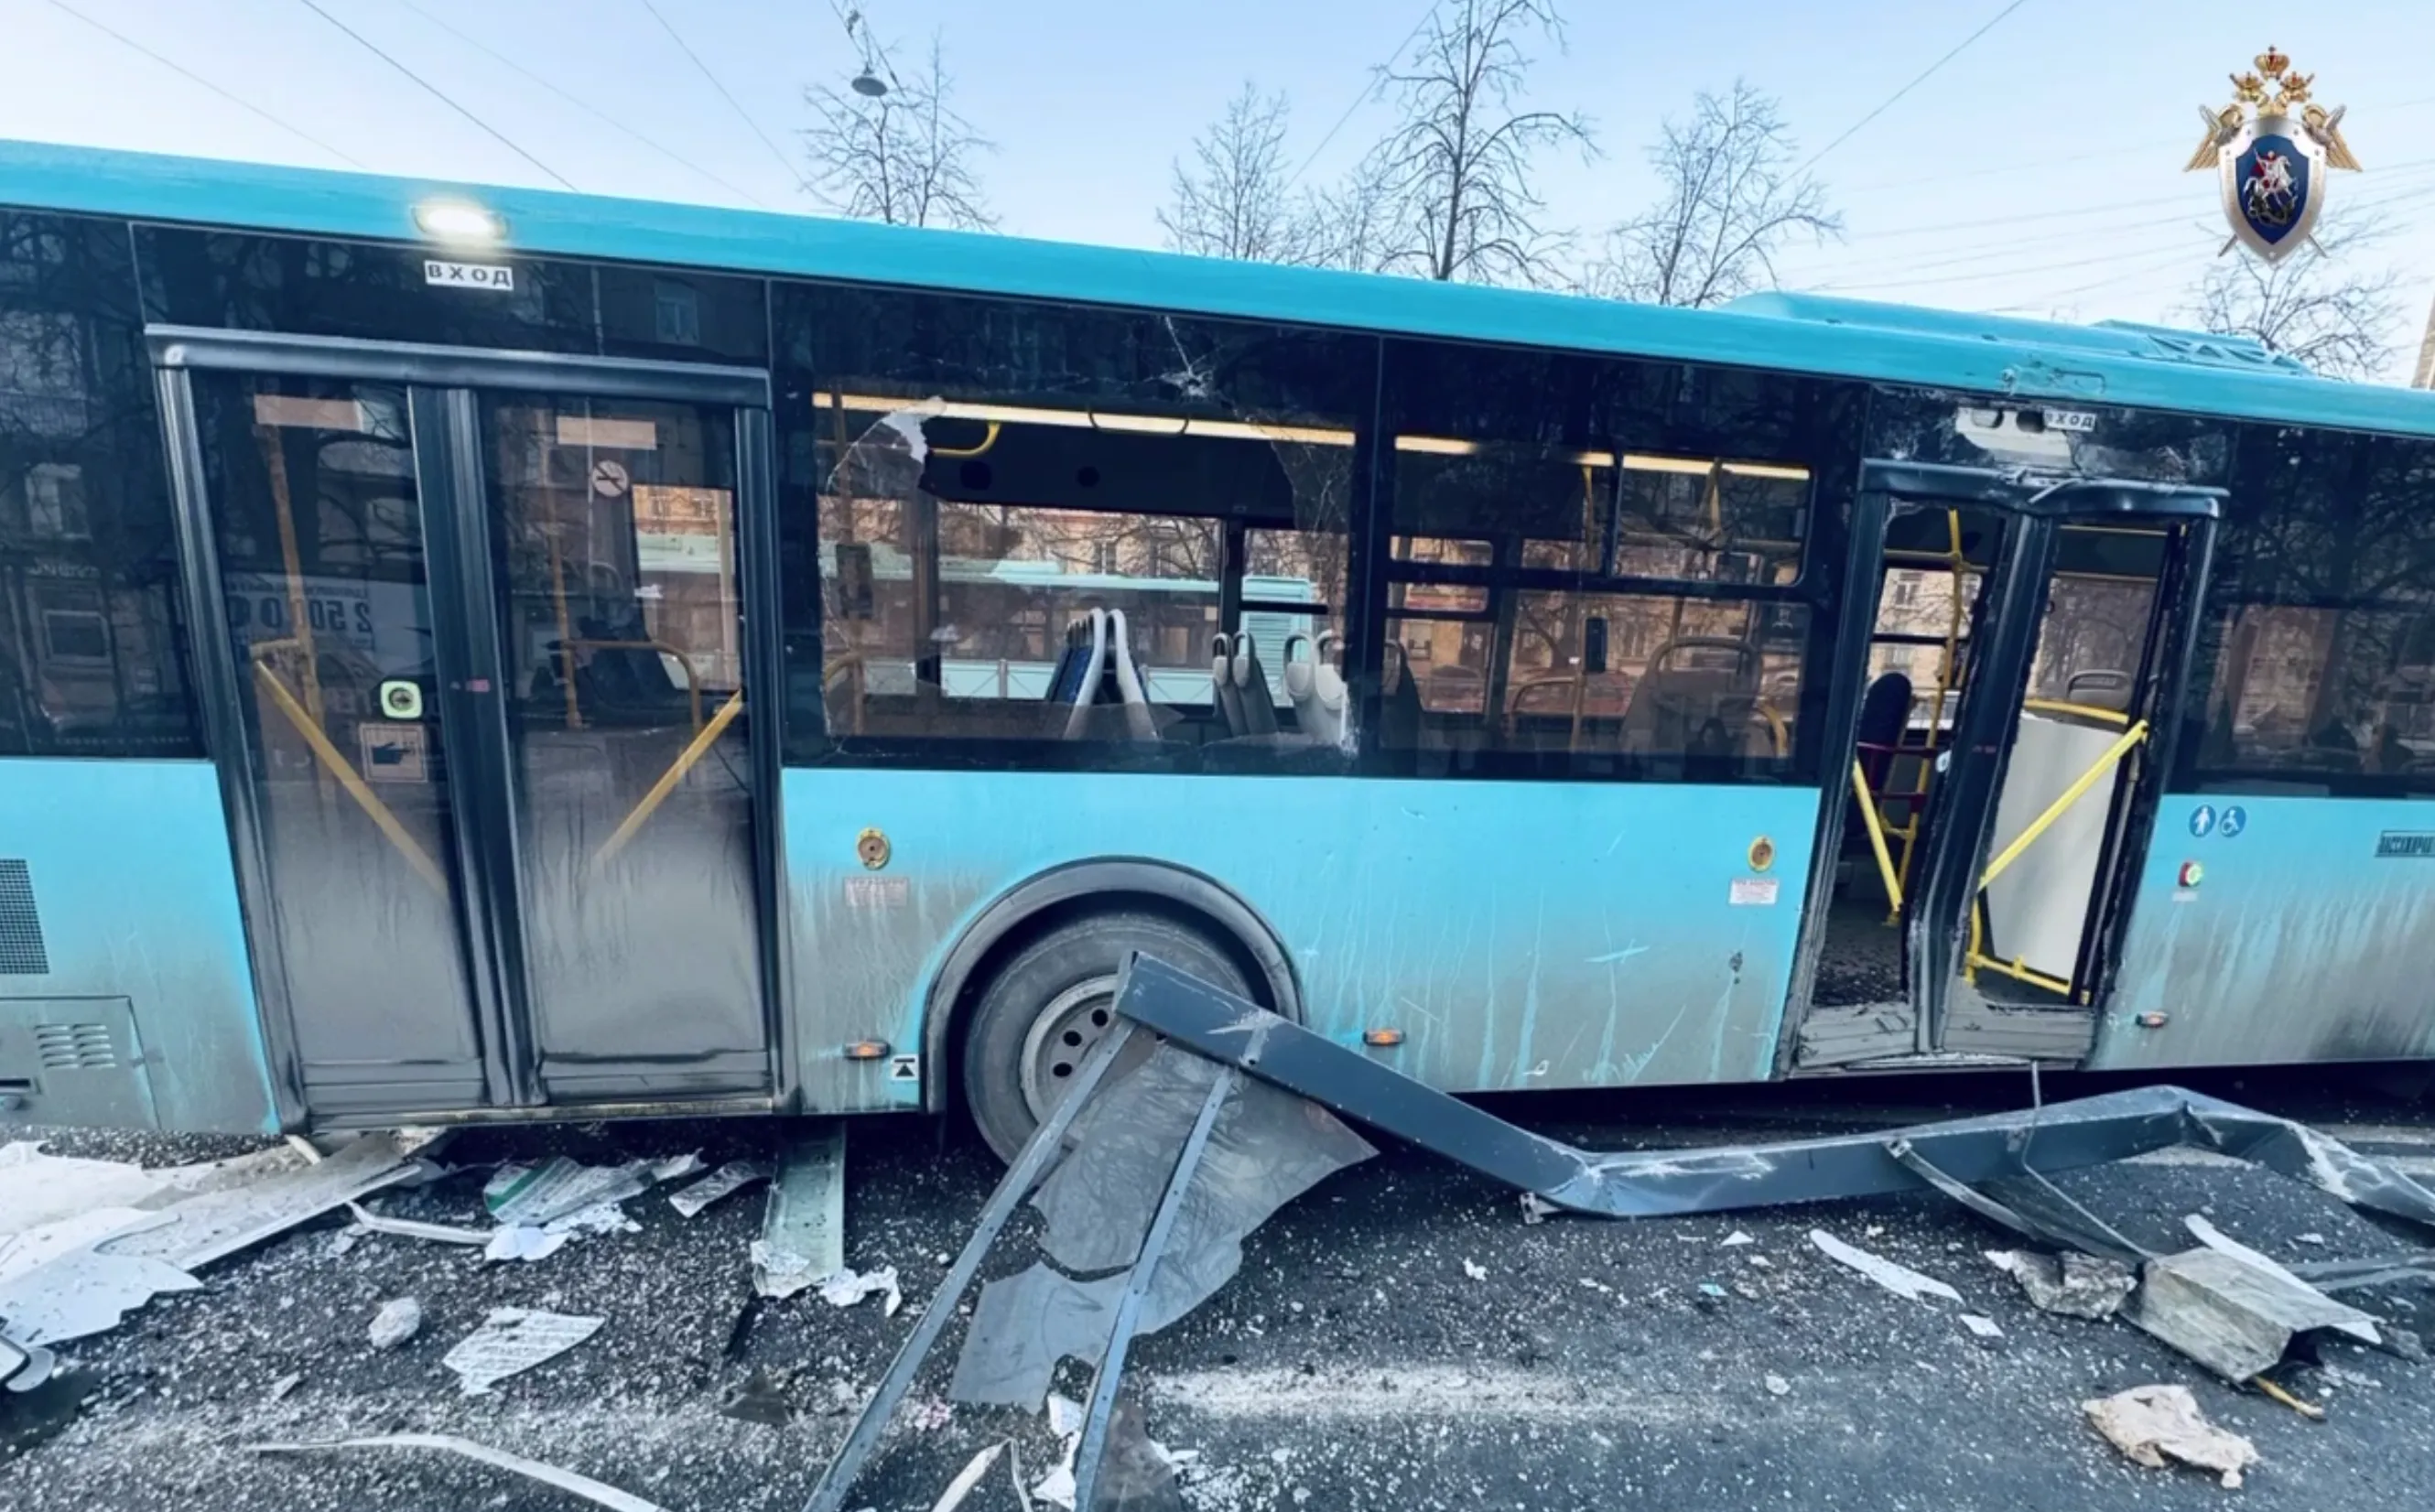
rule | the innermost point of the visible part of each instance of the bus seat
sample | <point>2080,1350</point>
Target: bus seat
<point>1221,683</point>
<point>1700,710</point>
<point>1249,685</point>
<point>1090,671</point>
<point>2100,688</point>
<point>1138,722</point>
<point>1315,687</point>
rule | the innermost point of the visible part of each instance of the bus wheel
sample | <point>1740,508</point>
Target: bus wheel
<point>1045,1009</point>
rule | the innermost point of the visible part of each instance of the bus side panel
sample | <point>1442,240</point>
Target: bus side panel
<point>1520,935</point>
<point>142,1010</point>
<point>2301,941</point>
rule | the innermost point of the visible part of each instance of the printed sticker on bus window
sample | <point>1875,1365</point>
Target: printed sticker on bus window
<point>1753,892</point>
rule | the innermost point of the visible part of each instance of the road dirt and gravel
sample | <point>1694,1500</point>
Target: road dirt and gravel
<point>1398,1339</point>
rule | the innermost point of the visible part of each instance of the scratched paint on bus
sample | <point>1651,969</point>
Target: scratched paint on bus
<point>2301,941</point>
<point>135,889</point>
<point>1522,934</point>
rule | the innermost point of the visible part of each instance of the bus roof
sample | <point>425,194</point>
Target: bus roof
<point>2109,363</point>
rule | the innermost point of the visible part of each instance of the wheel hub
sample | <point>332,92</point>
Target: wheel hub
<point>1060,1034</point>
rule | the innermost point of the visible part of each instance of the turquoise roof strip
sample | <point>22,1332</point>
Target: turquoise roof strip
<point>2109,363</point>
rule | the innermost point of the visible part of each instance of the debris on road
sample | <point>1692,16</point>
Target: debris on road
<point>2233,1315</point>
<point>511,1340</point>
<point>1474,1270</point>
<point>1777,1386</point>
<point>57,1283</point>
<point>398,1321</point>
<point>551,1475</point>
<point>802,1230</point>
<point>1983,1327</point>
<point>843,1288</point>
<point>23,1366</point>
<point>1901,1280</point>
<point>726,1181</point>
<point>281,1387</point>
<point>2071,1284</point>
<point>2151,1425</point>
<point>1735,1240</point>
<point>441,1233</point>
<point>2305,1409</point>
<point>970,1476</point>
<point>536,1196</point>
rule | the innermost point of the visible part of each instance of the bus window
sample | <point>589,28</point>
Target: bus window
<point>1040,526</point>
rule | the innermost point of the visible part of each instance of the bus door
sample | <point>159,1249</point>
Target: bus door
<point>480,703</point>
<point>2033,761</point>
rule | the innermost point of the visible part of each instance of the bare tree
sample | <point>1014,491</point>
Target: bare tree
<point>2320,305</point>
<point>1729,197</point>
<point>1456,173</point>
<point>1357,224</point>
<point>904,157</point>
<point>1234,199</point>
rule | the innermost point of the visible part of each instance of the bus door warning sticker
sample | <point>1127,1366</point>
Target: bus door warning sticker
<point>905,1068</point>
<point>1753,892</point>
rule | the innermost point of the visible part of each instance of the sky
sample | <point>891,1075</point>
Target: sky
<point>2038,172</point>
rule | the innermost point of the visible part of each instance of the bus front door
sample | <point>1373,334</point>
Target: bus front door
<point>2037,811</point>
<point>479,684</point>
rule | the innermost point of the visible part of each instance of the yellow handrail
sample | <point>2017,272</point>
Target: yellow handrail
<point>2071,794</point>
<point>2085,710</point>
<point>694,751</point>
<point>340,769</point>
<point>1876,833</point>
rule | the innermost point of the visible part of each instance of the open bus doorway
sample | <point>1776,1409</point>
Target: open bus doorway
<point>2018,669</point>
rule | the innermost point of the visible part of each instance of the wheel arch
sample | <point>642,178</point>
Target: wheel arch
<point>1044,900</point>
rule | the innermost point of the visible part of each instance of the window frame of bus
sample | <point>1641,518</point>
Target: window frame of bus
<point>1834,448</point>
<point>818,322</point>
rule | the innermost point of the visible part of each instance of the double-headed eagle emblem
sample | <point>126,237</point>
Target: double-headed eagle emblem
<point>2270,168</point>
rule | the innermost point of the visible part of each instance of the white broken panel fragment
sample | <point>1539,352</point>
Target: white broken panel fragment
<point>1983,1327</point>
<point>970,1476</point>
<point>2151,1425</point>
<point>38,1187</point>
<point>724,1183</point>
<point>511,1340</point>
<point>56,1285</point>
<point>2071,1284</point>
<point>1901,1280</point>
<point>846,1287</point>
<point>536,1196</point>
<point>564,1480</point>
<point>442,1234</point>
<point>245,1201</point>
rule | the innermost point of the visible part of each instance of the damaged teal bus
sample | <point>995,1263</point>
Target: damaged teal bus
<point>483,654</point>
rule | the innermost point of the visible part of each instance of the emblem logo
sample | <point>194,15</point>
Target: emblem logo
<point>2270,163</point>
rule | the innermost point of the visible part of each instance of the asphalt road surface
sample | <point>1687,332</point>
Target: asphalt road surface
<point>1397,1339</point>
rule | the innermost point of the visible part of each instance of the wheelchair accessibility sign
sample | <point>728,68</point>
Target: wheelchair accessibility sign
<point>2234,819</point>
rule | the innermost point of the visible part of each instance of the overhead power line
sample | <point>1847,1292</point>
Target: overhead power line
<point>1426,11</point>
<point>1890,100</point>
<point>596,113</point>
<point>435,92</point>
<point>741,115</point>
<point>191,77</point>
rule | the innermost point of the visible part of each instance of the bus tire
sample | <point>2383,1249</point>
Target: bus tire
<point>1052,1000</point>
